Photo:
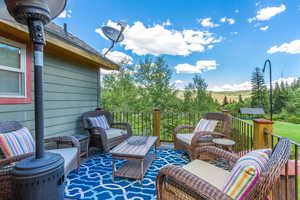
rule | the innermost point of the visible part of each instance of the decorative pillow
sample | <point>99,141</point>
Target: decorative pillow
<point>99,122</point>
<point>206,125</point>
<point>246,173</point>
<point>17,143</point>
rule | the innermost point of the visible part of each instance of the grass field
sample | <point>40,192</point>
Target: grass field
<point>289,130</point>
<point>286,129</point>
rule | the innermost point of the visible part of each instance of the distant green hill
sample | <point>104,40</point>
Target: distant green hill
<point>231,95</point>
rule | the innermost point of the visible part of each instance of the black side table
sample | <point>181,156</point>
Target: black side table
<point>84,140</point>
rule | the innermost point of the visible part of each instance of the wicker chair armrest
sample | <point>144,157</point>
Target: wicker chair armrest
<point>189,183</point>
<point>123,125</point>
<point>64,140</point>
<point>217,152</point>
<point>102,134</point>
<point>195,141</point>
<point>11,160</point>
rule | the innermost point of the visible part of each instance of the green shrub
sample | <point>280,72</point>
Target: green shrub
<point>294,119</point>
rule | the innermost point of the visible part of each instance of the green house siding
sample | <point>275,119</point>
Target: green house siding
<point>70,89</point>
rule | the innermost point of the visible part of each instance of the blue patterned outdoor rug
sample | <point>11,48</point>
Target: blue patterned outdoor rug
<point>94,180</point>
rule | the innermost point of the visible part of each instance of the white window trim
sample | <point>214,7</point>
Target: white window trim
<point>22,65</point>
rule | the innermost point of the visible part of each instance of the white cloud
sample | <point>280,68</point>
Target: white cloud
<point>167,23</point>
<point>291,48</point>
<point>232,87</point>
<point>234,33</point>
<point>237,11</point>
<point>206,22</point>
<point>264,28</point>
<point>228,20</point>
<point>65,14</point>
<point>267,13</point>
<point>118,57</point>
<point>157,39</point>
<point>210,46</point>
<point>201,66</point>
<point>179,84</point>
<point>247,85</point>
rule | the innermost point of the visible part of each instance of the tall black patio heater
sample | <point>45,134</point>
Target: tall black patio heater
<point>271,86</point>
<point>40,177</point>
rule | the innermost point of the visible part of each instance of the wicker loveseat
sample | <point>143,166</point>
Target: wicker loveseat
<point>70,152</point>
<point>186,140</point>
<point>106,139</point>
<point>187,183</point>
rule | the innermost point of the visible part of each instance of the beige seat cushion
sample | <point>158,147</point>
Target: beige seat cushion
<point>114,132</point>
<point>185,137</point>
<point>214,175</point>
<point>70,156</point>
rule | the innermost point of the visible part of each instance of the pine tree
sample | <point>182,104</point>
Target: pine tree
<point>241,99</point>
<point>259,97</point>
<point>225,101</point>
<point>278,99</point>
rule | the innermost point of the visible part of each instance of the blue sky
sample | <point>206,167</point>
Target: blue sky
<point>221,40</point>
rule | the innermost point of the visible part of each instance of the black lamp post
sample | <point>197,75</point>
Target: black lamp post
<point>39,177</point>
<point>271,86</point>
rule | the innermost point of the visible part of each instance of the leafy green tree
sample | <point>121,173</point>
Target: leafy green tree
<point>188,99</point>
<point>204,102</point>
<point>119,92</point>
<point>153,76</point>
<point>259,97</point>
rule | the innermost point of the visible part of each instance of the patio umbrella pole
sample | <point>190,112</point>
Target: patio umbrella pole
<point>37,36</point>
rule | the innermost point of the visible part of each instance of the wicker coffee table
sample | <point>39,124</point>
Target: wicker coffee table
<point>136,151</point>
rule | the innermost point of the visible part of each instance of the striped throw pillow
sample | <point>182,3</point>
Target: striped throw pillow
<point>206,125</point>
<point>245,174</point>
<point>99,122</point>
<point>17,143</point>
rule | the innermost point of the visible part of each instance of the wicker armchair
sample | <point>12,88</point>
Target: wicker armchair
<point>179,183</point>
<point>223,129</point>
<point>71,156</point>
<point>99,137</point>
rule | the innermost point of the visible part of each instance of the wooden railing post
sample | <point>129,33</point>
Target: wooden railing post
<point>263,129</point>
<point>156,125</point>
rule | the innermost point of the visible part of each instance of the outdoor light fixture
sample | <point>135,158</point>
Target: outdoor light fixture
<point>39,177</point>
<point>113,34</point>
<point>271,87</point>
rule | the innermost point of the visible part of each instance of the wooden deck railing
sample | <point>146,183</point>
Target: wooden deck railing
<point>242,133</point>
<point>141,122</point>
<point>163,123</point>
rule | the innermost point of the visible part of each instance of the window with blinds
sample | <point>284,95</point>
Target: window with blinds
<point>12,69</point>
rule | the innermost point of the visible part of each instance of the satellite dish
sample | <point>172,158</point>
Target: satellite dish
<point>113,34</point>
